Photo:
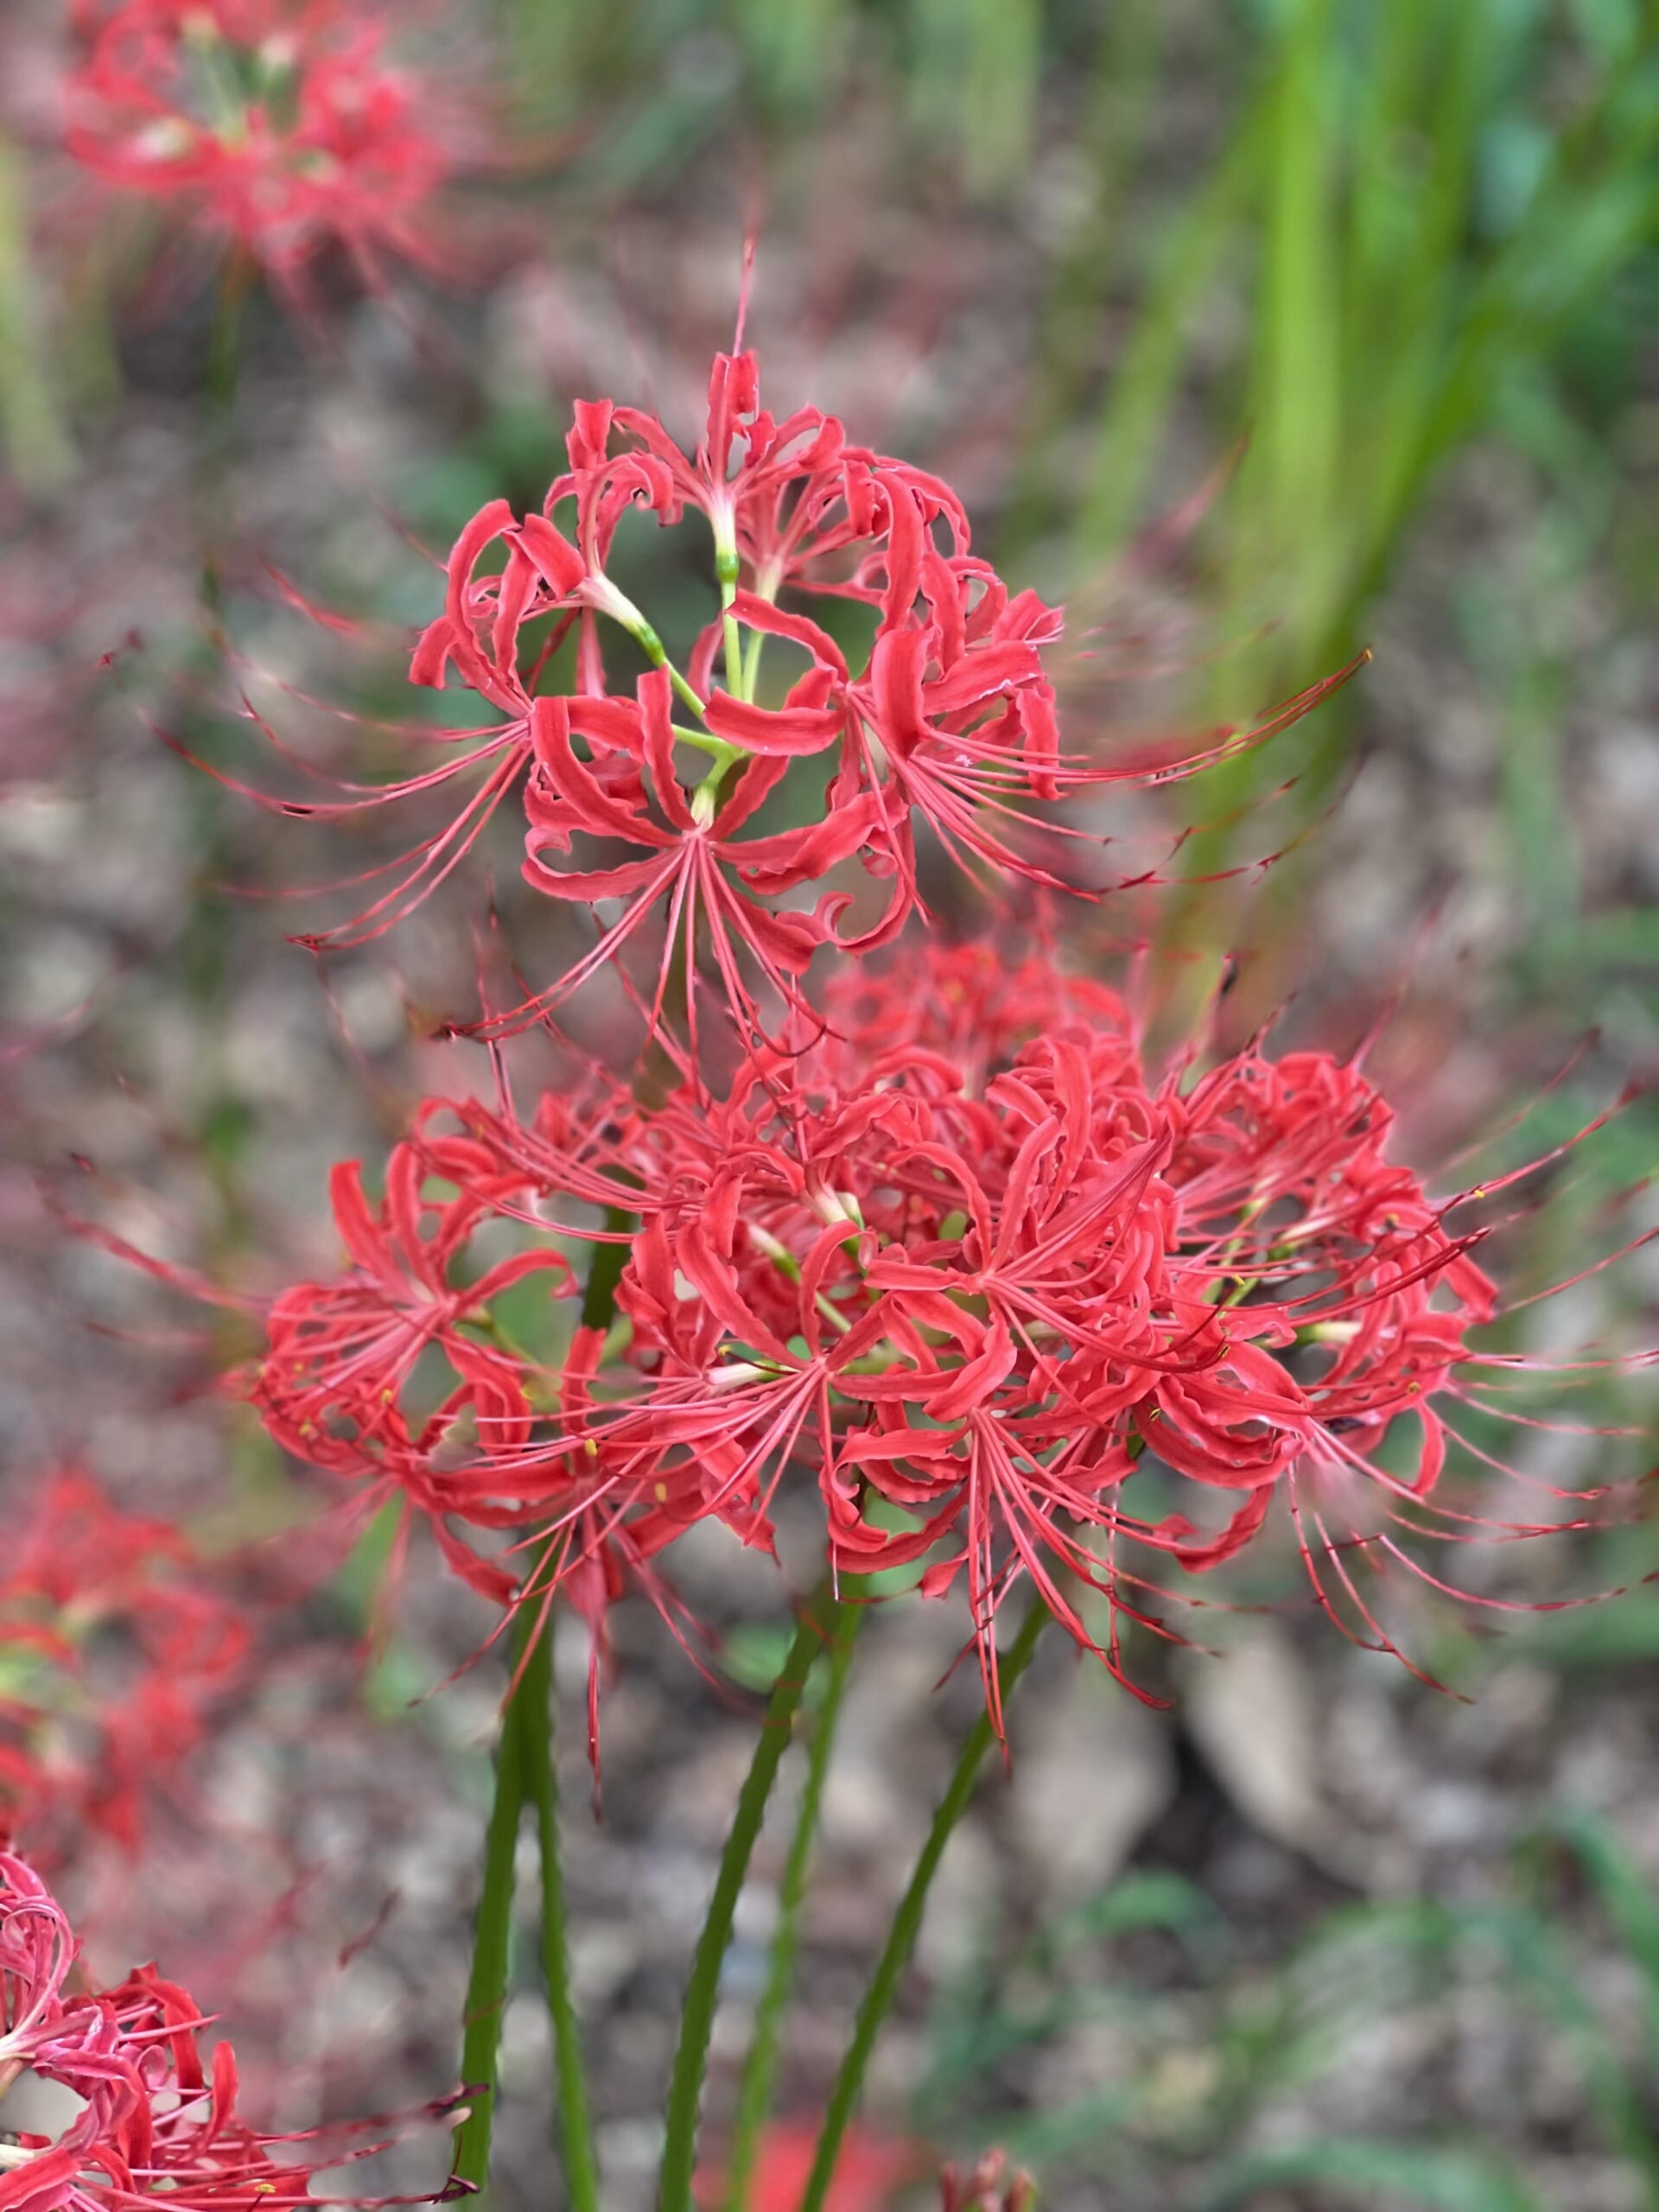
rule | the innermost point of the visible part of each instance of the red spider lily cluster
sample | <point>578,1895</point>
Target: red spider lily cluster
<point>278,126</point>
<point>703,808</point>
<point>923,1244</point>
<point>114,1646</point>
<point>1009,1306</point>
<point>158,2120</point>
<point>944,1252</point>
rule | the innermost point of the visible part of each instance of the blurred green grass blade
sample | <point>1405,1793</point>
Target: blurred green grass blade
<point>1594,205</point>
<point>1617,936</point>
<point>976,72</point>
<point>1127,442</point>
<point>1444,2180</point>
<point>999,118</point>
<point>973,2029</point>
<point>36,443</point>
<point>1531,688</point>
<point>1149,1899</point>
<point>1611,27</point>
<point>1529,1948</point>
<point>1627,1897</point>
<point>1065,2129</point>
<point>1124,98</point>
<point>1296,398</point>
<point>1536,813</point>
<point>1410,218</point>
<point>794,51</point>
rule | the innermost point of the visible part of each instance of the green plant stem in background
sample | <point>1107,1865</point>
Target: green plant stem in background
<point>487,1985</point>
<point>907,1921</point>
<point>823,1622</point>
<point>215,520</point>
<point>37,446</point>
<point>534,1710</point>
<point>605,1272</point>
<point>224,343</point>
<point>1409,227</point>
<point>759,2072</point>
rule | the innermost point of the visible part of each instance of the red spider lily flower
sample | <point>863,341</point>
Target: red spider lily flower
<point>337,1383</point>
<point>117,1650</point>
<point>792,501</point>
<point>398,1379</point>
<point>36,1953</point>
<point>800,495</point>
<point>708,878</point>
<point>975,1010</point>
<point>278,125</point>
<point>158,2123</point>
<point>955,717</point>
<point>1346,1303</point>
<point>810,1291</point>
<point>1014,1310</point>
<point>951,720</point>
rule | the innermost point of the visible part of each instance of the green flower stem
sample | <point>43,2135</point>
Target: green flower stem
<point>225,341</point>
<point>731,633</point>
<point>656,652</point>
<point>752,663</point>
<point>754,2098</point>
<point>716,748</point>
<point>486,1986</point>
<point>906,1922</point>
<point>605,1272</point>
<point>534,1709</point>
<point>215,523</point>
<point>823,1622</point>
<point>524,1765</point>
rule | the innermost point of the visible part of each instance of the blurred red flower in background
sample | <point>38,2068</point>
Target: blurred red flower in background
<point>870,2171</point>
<point>114,1647</point>
<point>280,126</point>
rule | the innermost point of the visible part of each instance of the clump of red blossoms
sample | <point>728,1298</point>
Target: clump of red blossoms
<point>925,1250</point>
<point>1011,1306</point>
<point>158,2122</point>
<point>945,1253</point>
<point>668,796</point>
<point>117,1647</point>
<point>279,127</point>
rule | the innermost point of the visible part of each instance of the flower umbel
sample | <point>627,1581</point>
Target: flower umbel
<point>1012,1308</point>
<point>916,696</point>
<point>279,125</point>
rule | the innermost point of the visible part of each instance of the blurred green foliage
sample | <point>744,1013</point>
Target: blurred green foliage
<point>1427,221</point>
<point>671,76</point>
<point>1211,2047</point>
